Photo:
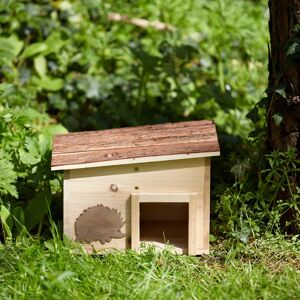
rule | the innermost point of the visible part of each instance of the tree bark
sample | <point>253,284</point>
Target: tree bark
<point>283,114</point>
<point>283,109</point>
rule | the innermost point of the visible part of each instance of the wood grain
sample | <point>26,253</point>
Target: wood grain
<point>92,186</point>
<point>192,233</point>
<point>206,208</point>
<point>134,142</point>
<point>135,222</point>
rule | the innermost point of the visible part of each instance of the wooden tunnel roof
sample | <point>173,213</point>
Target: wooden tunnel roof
<point>135,145</point>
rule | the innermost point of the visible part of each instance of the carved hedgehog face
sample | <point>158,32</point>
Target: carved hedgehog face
<point>99,223</point>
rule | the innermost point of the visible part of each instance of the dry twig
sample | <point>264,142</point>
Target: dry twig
<point>115,17</point>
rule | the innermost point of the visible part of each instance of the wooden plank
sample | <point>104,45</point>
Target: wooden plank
<point>100,141</point>
<point>164,197</point>
<point>125,153</point>
<point>206,205</point>
<point>199,209</point>
<point>137,130</point>
<point>192,233</point>
<point>135,222</point>
<point>68,230</point>
<point>137,160</point>
<point>134,142</point>
<point>178,245</point>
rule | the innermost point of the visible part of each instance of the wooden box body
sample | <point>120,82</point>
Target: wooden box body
<point>175,208</point>
<point>144,184</point>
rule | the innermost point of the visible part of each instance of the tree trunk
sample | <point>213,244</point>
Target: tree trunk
<point>284,80</point>
<point>283,110</point>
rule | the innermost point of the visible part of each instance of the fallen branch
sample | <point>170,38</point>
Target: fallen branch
<point>115,17</point>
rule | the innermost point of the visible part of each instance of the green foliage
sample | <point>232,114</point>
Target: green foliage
<point>254,206</point>
<point>76,62</point>
<point>26,182</point>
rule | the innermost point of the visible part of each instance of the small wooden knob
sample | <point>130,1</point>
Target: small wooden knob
<point>114,187</point>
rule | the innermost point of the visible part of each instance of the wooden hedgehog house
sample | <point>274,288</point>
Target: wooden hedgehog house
<point>139,184</point>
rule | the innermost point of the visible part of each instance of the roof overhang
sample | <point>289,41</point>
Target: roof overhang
<point>138,160</point>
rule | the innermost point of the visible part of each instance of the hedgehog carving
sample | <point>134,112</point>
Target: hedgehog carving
<point>99,223</point>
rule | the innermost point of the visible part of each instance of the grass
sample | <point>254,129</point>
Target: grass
<point>266,268</point>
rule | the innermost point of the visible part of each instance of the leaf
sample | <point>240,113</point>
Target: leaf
<point>52,130</point>
<point>294,48</point>
<point>8,177</point>
<point>4,86</point>
<point>51,84</point>
<point>54,42</point>
<point>10,47</point>
<point>40,65</point>
<point>19,218</point>
<point>90,86</point>
<point>249,196</point>
<point>33,49</point>
<point>36,209</point>
<point>253,115</point>
<point>5,218</point>
<point>212,238</point>
<point>239,170</point>
<point>277,118</point>
<point>243,234</point>
<point>49,245</point>
<point>30,155</point>
<point>281,91</point>
<point>46,136</point>
<point>263,102</point>
<point>32,115</point>
<point>186,52</point>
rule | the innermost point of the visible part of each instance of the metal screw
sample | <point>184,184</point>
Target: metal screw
<point>114,187</point>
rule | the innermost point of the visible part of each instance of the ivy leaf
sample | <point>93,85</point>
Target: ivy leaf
<point>281,91</point>
<point>253,115</point>
<point>294,48</point>
<point>277,118</point>
<point>263,102</point>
